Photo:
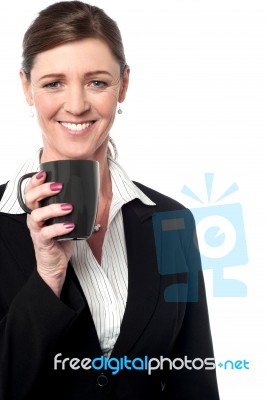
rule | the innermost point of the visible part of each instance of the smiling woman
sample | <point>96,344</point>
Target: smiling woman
<point>101,298</point>
<point>75,88</point>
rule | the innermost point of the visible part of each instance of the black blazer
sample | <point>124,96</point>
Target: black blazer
<point>35,325</point>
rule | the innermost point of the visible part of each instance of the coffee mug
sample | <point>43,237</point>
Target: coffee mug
<point>80,179</point>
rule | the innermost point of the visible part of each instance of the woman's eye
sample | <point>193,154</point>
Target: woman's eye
<point>98,84</point>
<point>53,85</point>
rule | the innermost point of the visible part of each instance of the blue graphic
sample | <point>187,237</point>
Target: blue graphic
<point>219,230</point>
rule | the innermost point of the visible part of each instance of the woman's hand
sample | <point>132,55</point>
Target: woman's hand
<point>52,256</point>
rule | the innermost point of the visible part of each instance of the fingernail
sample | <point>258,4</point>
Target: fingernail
<point>66,207</point>
<point>69,225</point>
<point>56,186</point>
<point>40,175</point>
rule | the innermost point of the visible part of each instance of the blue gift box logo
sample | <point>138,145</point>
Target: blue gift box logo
<point>221,243</point>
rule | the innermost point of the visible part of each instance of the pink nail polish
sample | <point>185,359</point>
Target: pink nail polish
<point>69,225</point>
<point>40,175</point>
<point>56,186</point>
<point>66,207</point>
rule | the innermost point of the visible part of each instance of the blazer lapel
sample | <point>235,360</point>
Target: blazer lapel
<point>143,275</point>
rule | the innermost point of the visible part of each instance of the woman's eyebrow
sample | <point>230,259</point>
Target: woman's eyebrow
<point>87,75</point>
<point>98,72</point>
<point>53,75</point>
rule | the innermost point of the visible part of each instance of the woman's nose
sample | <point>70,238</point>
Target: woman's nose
<point>76,101</point>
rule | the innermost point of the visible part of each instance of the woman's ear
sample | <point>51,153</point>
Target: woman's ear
<point>124,84</point>
<point>26,87</point>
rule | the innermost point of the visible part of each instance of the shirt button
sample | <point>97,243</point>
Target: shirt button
<point>102,380</point>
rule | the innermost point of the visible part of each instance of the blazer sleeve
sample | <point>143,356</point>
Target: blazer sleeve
<point>32,322</point>
<point>194,377</point>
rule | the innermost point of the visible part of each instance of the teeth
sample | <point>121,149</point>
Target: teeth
<point>76,127</point>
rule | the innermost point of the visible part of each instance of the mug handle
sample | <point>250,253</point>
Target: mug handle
<point>19,194</point>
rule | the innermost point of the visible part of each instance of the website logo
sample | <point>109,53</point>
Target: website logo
<point>221,236</point>
<point>218,234</point>
<point>115,365</point>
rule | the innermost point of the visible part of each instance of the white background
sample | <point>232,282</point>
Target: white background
<point>196,104</point>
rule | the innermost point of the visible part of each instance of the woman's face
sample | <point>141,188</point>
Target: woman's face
<point>75,88</point>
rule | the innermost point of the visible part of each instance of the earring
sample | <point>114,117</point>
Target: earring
<point>31,113</point>
<point>119,111</point>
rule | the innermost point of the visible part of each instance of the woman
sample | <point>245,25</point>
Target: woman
<point>110,318</point>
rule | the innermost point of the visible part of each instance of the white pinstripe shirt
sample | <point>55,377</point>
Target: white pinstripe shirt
<point>105,286</point>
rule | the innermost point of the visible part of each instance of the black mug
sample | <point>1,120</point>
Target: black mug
<point>80,179</point>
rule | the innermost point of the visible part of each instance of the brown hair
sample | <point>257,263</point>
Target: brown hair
<point>67,21</point>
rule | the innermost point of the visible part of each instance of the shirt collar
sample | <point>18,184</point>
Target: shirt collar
<point>124,190</point>
<point>122,186</point>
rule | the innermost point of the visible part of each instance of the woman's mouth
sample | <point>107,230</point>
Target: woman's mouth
<point>77,128</point>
